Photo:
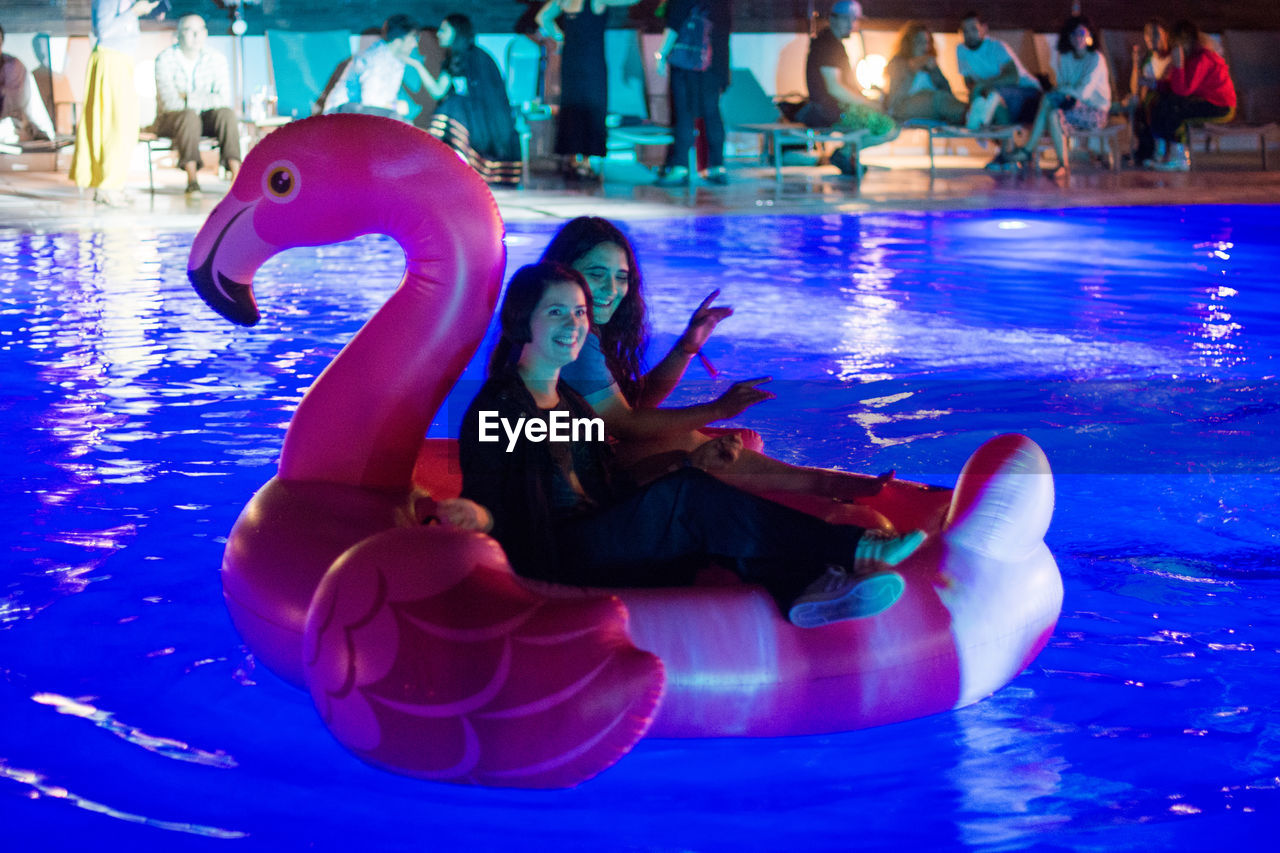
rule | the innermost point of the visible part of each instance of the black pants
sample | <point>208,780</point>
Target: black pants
<point>664,533</point>
<point>185,127</point>
<point>1170,112</point>
<point>695,95</point>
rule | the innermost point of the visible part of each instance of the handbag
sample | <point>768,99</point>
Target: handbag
<point>692,50</point>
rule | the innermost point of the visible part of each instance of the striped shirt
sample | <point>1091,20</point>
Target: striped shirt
<point>182,84</point>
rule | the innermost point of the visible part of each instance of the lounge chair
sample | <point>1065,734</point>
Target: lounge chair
<point>748,109</point>
<point>939,130</point>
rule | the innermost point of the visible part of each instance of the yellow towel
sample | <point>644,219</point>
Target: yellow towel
<point>108,129</point>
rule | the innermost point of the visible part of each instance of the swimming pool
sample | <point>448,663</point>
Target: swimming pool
<point>1137,346</point>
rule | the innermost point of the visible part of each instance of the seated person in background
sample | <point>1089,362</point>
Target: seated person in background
<point>370,83</point>
<point>1150,65</point>
<point>473,116</point>
<point>1001,91</point>
<point>1081,96</point>
<point>1199,87</point>
<point>193,99</point>
<point>917,87</point>
<point>1150,59</point>
<point>561,516</point>
<point>15,98</point>
<point>835,99</point>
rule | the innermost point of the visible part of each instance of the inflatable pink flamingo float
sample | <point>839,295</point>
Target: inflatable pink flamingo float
<point>424,653</point>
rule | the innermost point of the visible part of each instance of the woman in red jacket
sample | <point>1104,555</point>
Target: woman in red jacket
<point>1197,85</point>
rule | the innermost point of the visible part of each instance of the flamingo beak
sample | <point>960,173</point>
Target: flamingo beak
<point>232,253</point>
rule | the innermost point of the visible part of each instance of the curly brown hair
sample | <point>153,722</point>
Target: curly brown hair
<point>624,338</point>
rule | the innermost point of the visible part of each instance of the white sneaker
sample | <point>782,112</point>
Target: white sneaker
<point>837,596</point>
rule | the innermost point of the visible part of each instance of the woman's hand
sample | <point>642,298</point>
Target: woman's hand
<point>720,452</point>
<point>702,324</point>
<point>464,514</point>
<point>741,396</point>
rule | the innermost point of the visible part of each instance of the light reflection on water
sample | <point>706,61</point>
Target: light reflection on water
<point>1138,347</point>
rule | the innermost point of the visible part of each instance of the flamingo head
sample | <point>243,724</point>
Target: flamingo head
<point>326,180</point>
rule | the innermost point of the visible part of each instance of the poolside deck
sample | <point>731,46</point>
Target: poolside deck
<point>32,196</point>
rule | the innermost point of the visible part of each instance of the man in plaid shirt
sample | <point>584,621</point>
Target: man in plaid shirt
<point>193,94</point>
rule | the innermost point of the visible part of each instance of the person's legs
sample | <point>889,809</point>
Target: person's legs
<point>660,535</point>
<point>1168,122</point>
<point>108,129</point>
<point>1048,105</point>
<point>183,127</point>
<point>755,473</point>
<point>1059,137</point>
<point>917,106</point>
<point>1021,105</point>
<point>948,108</point>
<point>1171,112</point>
<point>684,108</point>
<point>713,122</point>
<point>1142,129</point>
<point>224,126</point>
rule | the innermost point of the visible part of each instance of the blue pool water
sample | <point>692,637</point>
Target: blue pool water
<point>1139,347</point>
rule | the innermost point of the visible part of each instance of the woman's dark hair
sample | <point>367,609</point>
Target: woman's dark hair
<point>623,338</point>
<point>464,36</point>
<point>524,290</point>
<point>397,26</point>
<point>1188,31</point>
<point>1069,27</point>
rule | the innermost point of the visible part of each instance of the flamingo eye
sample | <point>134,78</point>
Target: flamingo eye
<point>280,182</point>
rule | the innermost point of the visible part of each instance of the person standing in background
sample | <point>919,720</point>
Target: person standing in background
<point>695,91</point>
<point>108,127</point>
<point>579,26</point>
<point>193,95</point>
